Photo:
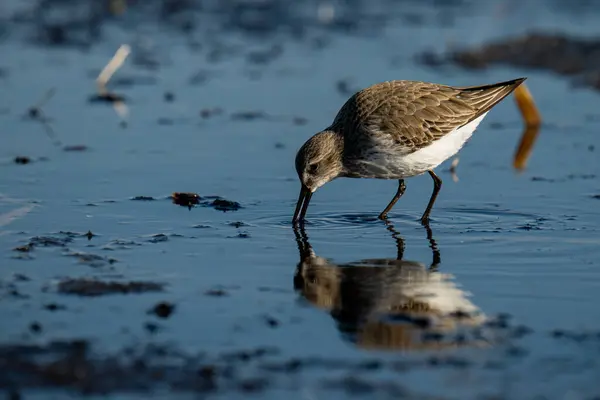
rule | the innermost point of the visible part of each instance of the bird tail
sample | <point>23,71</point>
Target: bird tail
<point>483,98</point>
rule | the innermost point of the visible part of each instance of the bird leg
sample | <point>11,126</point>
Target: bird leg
<point>437,184</point>
<point>399,193</point>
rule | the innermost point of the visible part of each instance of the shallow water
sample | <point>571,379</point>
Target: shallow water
<point>506,243</point>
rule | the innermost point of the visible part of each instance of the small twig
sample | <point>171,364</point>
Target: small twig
<point>113,65</point>
<point>50,132</point>
<point>47,96</point>
<point>35,112</point>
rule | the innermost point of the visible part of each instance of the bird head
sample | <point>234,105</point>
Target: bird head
<point>318,161</point>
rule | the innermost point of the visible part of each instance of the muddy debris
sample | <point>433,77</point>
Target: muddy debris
<point>22,160</point>
<point>270,321</point>
<point>92,260</point>
<point>94,287</point>
<point>249,115</point>
<point>238,224</point>
<point>576,337</point>
<point>76,148</point>
<point>143,198</point>
<point>49,241</point>
<point>151,327</point>
<point>560,53</point>
<point>300,121</point>
<point>216,292</point>
<point>253,385</point>
<point>24,249</point>
<point>185,199</point>
<point>158,238</point>
<point>169,97</point>
<point>17,277</point>
<point>206,113</point>
<point>224,205</point>
<point>163,309</point>
<point>241,235</point>
<point>54,307</point>
<point>11,290</point>
<point>119,244</point>
<point>89,235</point>
<point>35,327</point>
<point>72,364</point>
<point>202,226</point>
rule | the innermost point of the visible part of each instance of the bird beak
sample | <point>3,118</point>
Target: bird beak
<point>302,205</point>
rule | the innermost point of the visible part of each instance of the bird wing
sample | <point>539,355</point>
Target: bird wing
<point>415,114</point>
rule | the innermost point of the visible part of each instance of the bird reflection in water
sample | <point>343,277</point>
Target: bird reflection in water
<point>390,303</point>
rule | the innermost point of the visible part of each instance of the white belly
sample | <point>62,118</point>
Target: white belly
<point>385,165</point>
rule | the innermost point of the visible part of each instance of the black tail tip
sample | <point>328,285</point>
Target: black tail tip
<point>517,81</point>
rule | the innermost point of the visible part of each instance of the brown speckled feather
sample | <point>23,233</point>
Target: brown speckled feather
<point>415,114</point>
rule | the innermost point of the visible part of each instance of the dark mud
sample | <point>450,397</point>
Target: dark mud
<point>74,365</point>
<point>93,287</point>
<point>106,289</point>
<point>576,58</point>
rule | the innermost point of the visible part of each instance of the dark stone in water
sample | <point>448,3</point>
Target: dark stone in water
<point>54,307</point>
<point>35,327</point>
<point>93,287</point>
<point>162,309</point>
<point>158,238</point>
<point>143,198</point>
<point>22,160</point>
<point>271,321</point>
<point>242,235</point>
<point>169,97</point>
<point>225,205</point>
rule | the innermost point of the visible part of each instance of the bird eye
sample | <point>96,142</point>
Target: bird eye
<point>312,169</point>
